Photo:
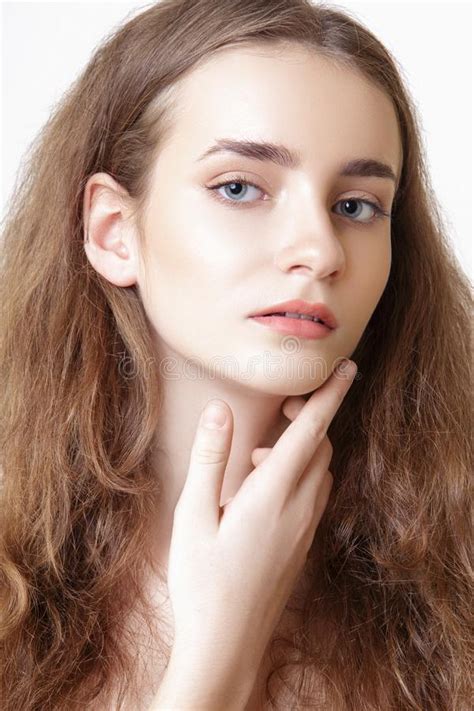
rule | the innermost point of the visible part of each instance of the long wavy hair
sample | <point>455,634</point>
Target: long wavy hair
<point>387,615</point>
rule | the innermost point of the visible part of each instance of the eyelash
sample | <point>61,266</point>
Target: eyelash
<point>379,213</point>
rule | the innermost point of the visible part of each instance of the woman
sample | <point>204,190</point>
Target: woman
<point>216,160</point>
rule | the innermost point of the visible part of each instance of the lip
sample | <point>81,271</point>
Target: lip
<point>294,326</point>
<point>301,307</point>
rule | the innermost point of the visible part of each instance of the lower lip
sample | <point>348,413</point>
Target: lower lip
<point>294,326</point>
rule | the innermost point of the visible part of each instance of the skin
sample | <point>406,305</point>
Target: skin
<point>206,265</point>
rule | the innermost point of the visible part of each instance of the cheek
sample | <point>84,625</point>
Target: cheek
<point>382,266</point>
<point>372,265</point>
<point>369,272</point>
<point>183,287</point>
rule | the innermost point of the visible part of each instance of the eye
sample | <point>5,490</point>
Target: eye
<point>350,204</point>
<point>237,186</point>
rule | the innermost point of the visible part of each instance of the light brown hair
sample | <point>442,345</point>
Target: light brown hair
<point>387,619</point>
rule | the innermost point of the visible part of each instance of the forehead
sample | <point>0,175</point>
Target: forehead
<point>288,95</point>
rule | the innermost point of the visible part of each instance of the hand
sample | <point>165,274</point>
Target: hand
<point>232,569</point>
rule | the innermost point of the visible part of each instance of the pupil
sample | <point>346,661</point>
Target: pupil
<point>232,188</point>
<point>353,203</point>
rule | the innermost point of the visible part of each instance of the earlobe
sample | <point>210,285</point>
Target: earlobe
<point>113,263</point>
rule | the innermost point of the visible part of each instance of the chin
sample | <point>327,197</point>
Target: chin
<point>282,386</point>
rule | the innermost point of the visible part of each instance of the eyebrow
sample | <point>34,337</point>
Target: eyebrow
<point>283,156</point>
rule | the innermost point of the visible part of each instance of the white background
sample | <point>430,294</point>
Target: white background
<point>46,45</point>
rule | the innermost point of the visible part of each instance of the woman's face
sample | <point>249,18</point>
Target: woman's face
<point>215,255</point>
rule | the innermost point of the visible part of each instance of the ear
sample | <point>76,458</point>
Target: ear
<point>110,239</point>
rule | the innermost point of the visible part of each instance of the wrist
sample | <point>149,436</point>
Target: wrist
<point>189,685</point>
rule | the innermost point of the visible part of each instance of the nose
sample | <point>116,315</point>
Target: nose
<point>313,250</point>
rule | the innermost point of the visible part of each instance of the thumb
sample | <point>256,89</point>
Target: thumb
<point>210,452</point>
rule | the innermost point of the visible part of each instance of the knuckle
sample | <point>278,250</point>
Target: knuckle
<point>315,429</point>
<point>209,455</point>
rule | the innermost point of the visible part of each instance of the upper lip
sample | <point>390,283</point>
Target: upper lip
<point>298,306</point>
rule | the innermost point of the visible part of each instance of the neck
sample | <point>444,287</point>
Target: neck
<point>258,422</point>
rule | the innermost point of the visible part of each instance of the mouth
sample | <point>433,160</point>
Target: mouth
<point>307,328</point>
<point>303,317</point>
<point>299,310</point>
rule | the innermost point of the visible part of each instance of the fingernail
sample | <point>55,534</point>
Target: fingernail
<point>348,367</point>
<point>214,417</point>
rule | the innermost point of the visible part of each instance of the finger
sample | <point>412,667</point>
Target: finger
<point>259,454</point>
<point>312,497</point>
<point>296,446</point>
<point>317,467</point>
<point>292,406</point>
<point>210,452</point>
<point>309,491</point>
<point>323,493</point>
<point>225,507</point>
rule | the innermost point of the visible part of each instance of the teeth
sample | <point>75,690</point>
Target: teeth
<point>304,317</point>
